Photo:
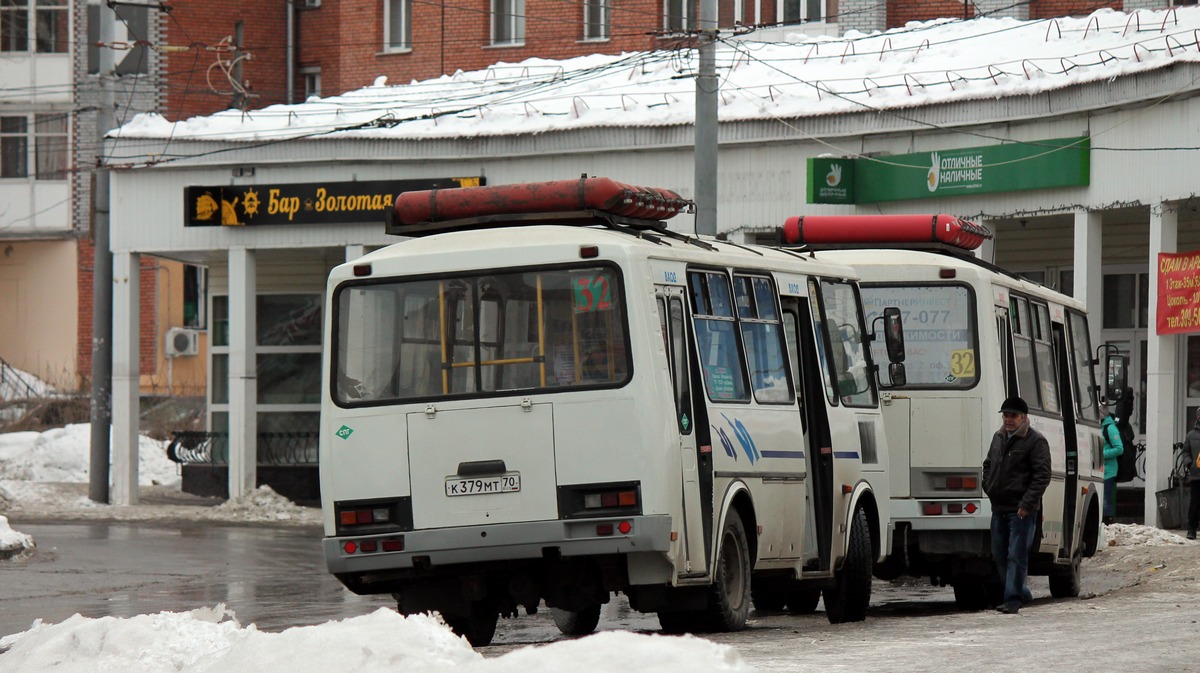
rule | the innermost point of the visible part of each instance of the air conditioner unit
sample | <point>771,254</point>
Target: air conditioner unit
<point>182,341</point>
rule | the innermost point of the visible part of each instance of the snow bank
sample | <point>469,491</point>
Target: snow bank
<point>210,640</point>
<point>1132,535</point>
<point>11,541</point>
<point>62,455</point>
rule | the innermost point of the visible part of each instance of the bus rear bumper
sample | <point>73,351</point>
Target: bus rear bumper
<point>496,542</point>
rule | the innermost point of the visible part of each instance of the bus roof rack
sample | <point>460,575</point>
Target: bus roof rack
<point>582,202</point>
<point>577,218</point>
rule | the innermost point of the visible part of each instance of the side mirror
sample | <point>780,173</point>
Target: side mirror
<point>896,373</point>
<point>893,335</point>
<point>1116,372</point>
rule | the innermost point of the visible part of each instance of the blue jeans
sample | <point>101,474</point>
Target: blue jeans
<point>1110,497</point>
<point>1012,537</point>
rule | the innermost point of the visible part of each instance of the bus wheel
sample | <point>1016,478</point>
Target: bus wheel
<point>576,623</point>
<point>1065,584</point>
<point>729,602</point>
<point>478,627</point>
<point>848,598</point>
<point>803,602</point>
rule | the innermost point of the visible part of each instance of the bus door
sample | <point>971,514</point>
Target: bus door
<point>803,352</point>
<point>1071,493</point>
<point>696,463</point>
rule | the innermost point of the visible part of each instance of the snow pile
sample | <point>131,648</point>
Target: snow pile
<point>263,504</point>
<point>1132,535</point>
<point>919,64</point>
<point>63,455</point>
<point>210,640</point>
<point>11,541</point>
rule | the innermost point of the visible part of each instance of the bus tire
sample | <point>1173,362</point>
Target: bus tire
<point>729,600</point>
<point>848,598</point>
<point>1065,584</point>
<point>478,627</point>
<point>803,601</point>
<point>579,623</point>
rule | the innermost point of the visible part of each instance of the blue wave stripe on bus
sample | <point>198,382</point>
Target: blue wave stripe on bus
<point>782,454</point>
<point>845,454</point>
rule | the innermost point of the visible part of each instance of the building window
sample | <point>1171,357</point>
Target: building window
<point>46,21</point>
<point>195,289</point>
<point>397,20</point>
<point>801,11</point>
<point>45,134</point>
<point>595,20</point>
<point>508,22</point>
<point>1126,300</point>
<point>312,82</point>
<point>50,146</point>
<point>14,147</point>
<point>678,15</point>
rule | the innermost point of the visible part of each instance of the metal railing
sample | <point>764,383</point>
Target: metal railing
<point>194,447</point>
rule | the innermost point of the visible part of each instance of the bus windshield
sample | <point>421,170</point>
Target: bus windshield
<point>479,334</point>
<point>939,332</point>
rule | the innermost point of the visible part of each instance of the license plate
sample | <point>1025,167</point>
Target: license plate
<point>505,483</point>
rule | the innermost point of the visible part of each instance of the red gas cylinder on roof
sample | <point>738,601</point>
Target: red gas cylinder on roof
<point>601,194</point>
<point>884,230</point>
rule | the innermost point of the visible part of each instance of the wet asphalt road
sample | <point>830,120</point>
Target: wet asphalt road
<point>272,577</point>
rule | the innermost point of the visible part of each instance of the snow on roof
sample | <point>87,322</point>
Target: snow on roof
<point>919,64</point>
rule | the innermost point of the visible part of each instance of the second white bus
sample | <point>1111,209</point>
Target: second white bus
<point>975,335</point>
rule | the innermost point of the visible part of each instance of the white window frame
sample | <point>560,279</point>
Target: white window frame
<point>509,14</point>
<point>682,19</point>
<point>806,14</point>
<point>601,23</point>
<point>33,10</point>
<point>397,18</point>
<point>312,81</point>
<point>38,143</point>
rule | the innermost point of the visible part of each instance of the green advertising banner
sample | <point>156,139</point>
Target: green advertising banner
<point>1043,164</point>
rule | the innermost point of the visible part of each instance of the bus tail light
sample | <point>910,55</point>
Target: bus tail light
<point>600,500</point>
<point>392,544</point>
<point>934,508</point>
<point>954,482</point>
<point>610,499</point>
<point>607,528</point>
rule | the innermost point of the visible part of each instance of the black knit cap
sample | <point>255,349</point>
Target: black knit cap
<point>1014,405</point>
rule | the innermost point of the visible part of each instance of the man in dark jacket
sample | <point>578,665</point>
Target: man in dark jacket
<point>1191,446</point>
<point>1016,473</point>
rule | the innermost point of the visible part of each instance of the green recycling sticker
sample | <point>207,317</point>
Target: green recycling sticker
<point>344,432</point>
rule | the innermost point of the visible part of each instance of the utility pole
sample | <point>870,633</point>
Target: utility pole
<point>102,281</point>
<point>706,122</point>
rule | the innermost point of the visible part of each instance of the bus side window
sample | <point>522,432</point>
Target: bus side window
<point>716,337</point>
<point>791,322</point>
<point>1022,335</point>
<point>762,339</point>
<point>679,365</point>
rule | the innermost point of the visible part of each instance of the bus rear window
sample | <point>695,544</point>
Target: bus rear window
<point>479,334</point>
<point>941,345</point>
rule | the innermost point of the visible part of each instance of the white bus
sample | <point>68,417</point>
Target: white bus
<point>975,335</point>
<point>549,407</point>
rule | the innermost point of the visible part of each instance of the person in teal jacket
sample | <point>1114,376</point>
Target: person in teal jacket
<point>1112,450</point>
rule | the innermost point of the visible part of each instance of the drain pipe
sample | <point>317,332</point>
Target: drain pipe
<point>291,51</point>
